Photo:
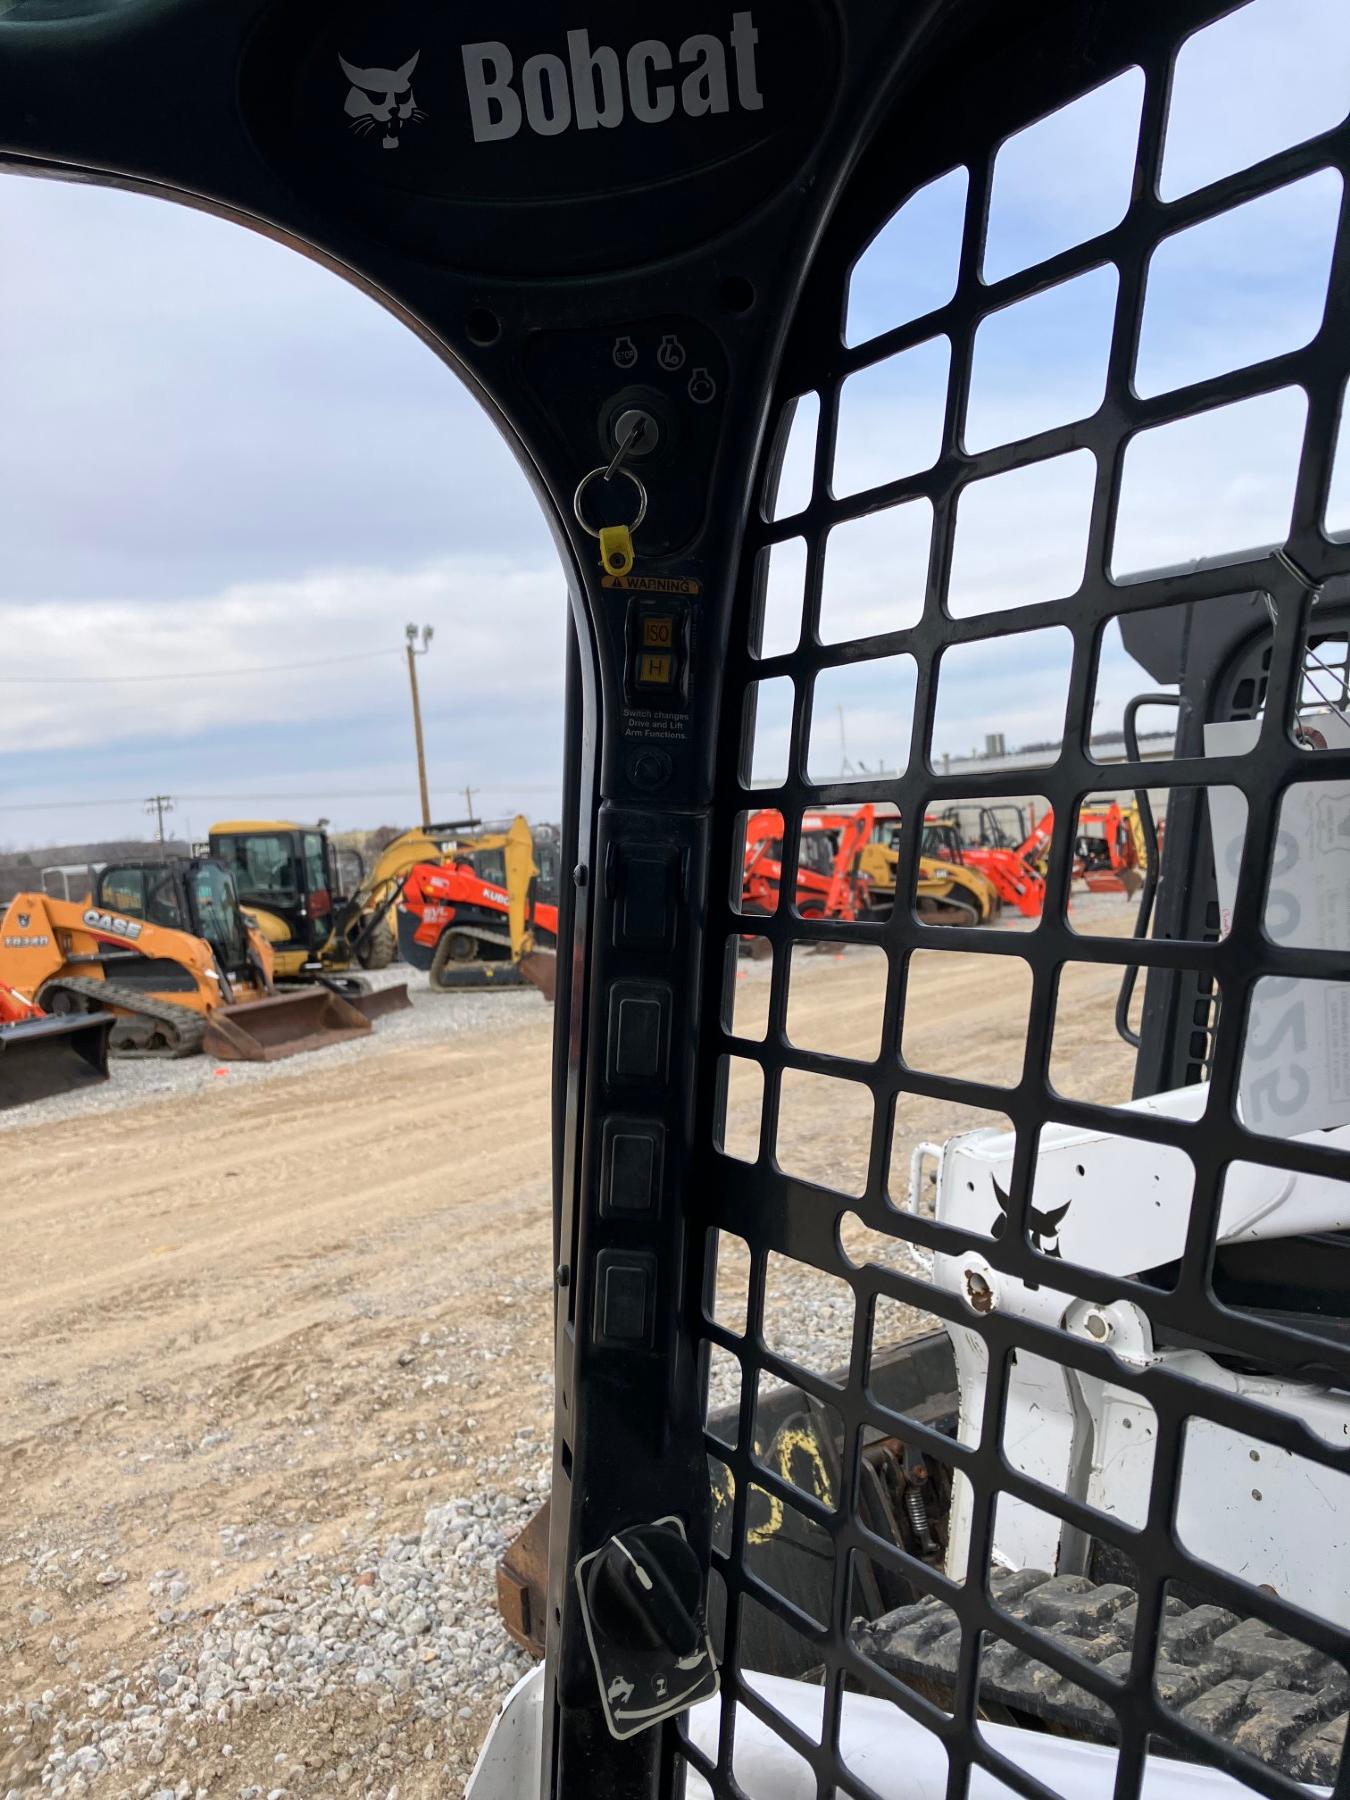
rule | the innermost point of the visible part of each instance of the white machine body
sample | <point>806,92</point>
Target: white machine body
<point>1122,1206</point>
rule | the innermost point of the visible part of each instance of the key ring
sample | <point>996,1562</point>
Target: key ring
<point>599,474</point>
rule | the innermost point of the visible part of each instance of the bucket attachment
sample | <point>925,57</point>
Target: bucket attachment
<point>540,969</point>
<point>43,1057</point>
<point>371,1002</point>
<point>375,1003</point>
<point>282,1025</point>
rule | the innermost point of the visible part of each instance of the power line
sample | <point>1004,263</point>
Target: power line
<point>323,662</point>
<point>320,792</point>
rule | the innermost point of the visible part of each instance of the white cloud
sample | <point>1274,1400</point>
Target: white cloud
<point>499,627</point>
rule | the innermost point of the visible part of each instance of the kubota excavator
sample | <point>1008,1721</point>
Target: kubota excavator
<point>476,917</point>
<point>1111,852</point>
<point>166,948</point>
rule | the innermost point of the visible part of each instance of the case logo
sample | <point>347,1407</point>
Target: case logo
<point>112,924</point>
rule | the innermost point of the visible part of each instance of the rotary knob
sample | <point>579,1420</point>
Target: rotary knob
<point>645,1592</point>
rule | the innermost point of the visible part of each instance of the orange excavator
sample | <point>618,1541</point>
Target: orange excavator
<point>1034,849</point>
<point>1110,848</point>
<point>41,1056</point>
<point>477,920</point>
<point>1110,851</point>
<point>829,881</point>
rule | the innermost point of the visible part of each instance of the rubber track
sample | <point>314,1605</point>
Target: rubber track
<point>189,1026</point>
<point>1236,1679</point>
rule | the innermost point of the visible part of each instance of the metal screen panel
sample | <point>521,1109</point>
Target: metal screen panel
<point>1036,486</point>
<point>844,1251</point>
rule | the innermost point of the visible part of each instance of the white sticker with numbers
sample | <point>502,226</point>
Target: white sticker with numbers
<point>1296,1058</point>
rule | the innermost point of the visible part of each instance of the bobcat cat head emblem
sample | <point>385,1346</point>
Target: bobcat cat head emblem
<point>381,97</point>
<point>1042,1227</point>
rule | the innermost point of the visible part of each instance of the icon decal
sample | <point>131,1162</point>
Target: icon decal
<point>1042,1227</point>
<point>702,387</point>
<point>381,97</point>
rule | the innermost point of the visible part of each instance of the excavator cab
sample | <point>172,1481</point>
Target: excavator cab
<point>927,1421</point>
<point>286,875</point>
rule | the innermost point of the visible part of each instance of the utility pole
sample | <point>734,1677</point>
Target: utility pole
<point>159,804</point>
<point>468,803</point>
<point>427,633</point>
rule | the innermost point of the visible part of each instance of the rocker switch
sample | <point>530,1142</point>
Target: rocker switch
<point>639,1031</point>
<point>647,878</point>
<point>631,1181</point>
<point>625,1289</point>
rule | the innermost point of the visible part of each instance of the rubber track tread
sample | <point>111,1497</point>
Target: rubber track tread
<point>189,1026</point>
<point>1235,1679</point>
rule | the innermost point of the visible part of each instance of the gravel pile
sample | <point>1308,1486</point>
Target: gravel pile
<point>433,1017</point>
<point>406,1631</point>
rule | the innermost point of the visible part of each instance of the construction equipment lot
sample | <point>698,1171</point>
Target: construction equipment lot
<point>279,1385</point>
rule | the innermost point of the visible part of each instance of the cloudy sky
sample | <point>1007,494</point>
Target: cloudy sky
<point>217,463</point>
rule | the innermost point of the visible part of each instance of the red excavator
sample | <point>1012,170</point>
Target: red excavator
<point>1110,847</point>
<point>477,920</point>
<point>830,884</point>
<point>1110,852</point>
<point>41,1055</point>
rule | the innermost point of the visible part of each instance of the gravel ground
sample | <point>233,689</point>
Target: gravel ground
<point>279,1393</point>
<point>399,1641</point>
<point>432,1017</point>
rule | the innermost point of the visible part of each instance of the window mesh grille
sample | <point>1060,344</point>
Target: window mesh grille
<point>836,1262</point>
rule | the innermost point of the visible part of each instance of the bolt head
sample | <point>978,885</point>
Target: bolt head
<point>979,1294</point>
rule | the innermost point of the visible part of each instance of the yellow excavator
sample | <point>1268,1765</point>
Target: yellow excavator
<point>290,880</point>
<point>166,948</point>
<point>946,893</point>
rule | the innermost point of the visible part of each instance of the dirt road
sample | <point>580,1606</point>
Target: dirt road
<point>266,1324</point>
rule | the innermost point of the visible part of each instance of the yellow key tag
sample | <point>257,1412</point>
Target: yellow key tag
<point>616,549</point>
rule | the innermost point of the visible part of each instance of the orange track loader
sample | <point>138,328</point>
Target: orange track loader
<point>165,948</point>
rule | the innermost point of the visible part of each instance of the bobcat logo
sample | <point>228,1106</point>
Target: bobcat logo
<point>1043,1225</point>
<point>381,97</point>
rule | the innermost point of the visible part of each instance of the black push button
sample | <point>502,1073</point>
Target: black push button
<point>639,1030</point>
<point>631,1178</point>
<point>647,877</point>
<point>624,1292</point>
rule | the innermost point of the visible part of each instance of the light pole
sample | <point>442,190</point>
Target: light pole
<point>426,634</point>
